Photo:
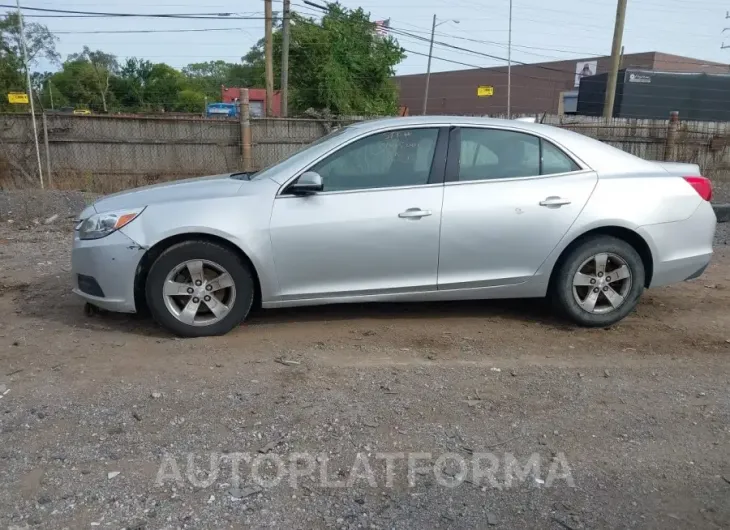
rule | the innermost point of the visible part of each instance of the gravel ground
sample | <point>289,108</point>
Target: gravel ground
<point>97,411</point>
<point>28,207</point>
<point>721,192</point>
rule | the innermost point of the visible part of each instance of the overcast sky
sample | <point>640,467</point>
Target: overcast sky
<point>541,31</point>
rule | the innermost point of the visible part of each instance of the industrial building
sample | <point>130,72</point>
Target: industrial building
<point>550,87</point>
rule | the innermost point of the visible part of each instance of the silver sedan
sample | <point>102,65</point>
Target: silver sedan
<point>404,209</point>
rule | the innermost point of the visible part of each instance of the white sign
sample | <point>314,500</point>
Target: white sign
<point>639,78</point>
<point>584,69</point>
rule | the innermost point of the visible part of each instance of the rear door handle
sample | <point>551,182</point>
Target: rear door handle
<point>554,202</point>
<point>414,213</point>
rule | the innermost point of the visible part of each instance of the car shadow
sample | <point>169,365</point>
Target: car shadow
<point>527,309</point>
<point>50,298</point>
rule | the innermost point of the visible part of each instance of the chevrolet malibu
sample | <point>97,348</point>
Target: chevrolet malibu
<point>403,209</point>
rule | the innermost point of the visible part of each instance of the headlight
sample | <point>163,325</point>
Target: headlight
<point>102,224</point>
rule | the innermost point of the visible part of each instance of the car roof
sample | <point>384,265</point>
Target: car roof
<point>594,154</point>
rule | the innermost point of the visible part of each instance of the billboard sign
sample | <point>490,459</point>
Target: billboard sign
<point>584,69</point>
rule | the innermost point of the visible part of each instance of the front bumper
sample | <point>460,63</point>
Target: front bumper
<point>112,264</point>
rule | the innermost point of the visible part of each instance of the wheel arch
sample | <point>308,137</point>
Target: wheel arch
<point>143,268</point>
<point>626,234</point>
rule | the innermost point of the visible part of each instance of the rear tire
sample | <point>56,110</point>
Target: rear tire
<point>198,288</point>
<point>599,282</point>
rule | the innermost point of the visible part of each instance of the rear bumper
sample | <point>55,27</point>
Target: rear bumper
<point>104,270</point>
<point>683,249</point>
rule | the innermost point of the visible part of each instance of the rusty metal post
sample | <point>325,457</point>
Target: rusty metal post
<point>245,120</point>
<point>672,133</point>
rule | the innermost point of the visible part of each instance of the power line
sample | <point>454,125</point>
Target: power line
<point>69,13</point>
<point>147,31</point>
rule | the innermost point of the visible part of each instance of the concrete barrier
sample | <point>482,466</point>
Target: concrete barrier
<point>722,211</point>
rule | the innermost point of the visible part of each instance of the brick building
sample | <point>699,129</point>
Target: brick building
<point>256,100</point>
<point>550,87</point>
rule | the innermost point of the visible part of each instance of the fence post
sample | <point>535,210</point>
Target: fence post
<point>245,119</point>
<point>672,133</point>
<point>48,152</point>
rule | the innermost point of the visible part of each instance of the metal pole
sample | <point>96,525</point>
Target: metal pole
<point>428,68</point>
<point>30,95</point>
<point>618,32</point>
<point>48,151</point>
<point>268,56</point>
<point>50,89</point>
<point>509,63</point>
<point>285,61</point>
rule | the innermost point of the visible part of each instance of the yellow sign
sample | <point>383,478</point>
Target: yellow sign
<point>485,91</point>
<point>17,97</point>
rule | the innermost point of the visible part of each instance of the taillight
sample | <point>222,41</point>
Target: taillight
<point>701,185</point>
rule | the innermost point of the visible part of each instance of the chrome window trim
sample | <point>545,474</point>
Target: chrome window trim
<point>279,193</point>
<point>567,152</point>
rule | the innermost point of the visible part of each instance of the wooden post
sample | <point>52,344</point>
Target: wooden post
<point>285,61</point>
<point>268,57</point>
<point>672,133</point>
<point>245,120</point>
<point>48,152</point>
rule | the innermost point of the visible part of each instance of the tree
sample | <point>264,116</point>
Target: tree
<point>103,66</point>
<point>41,43</point>
<point>163,86</point>
<point>189,100</point>
<point>77,83</point>
<point>338,63</point>
<point>208,77</point>
<point>130,85</point>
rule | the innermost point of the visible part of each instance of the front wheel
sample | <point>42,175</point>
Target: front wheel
<point>599,282</point>
<point>199,288</point>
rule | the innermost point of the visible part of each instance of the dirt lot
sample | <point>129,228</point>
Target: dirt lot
<point>633,420</point>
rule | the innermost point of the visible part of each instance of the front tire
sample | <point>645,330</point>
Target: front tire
<point>599,282</point>
<point>199,288</point>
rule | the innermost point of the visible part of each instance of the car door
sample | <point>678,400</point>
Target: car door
<point>373,229</point>
<point>509,198</point>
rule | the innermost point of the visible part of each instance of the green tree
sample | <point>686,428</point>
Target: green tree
<point>130,84</point>
<point>163,86</point>
<point>78,83</point>
<point>41,43</point>
<point>208,77</point>
<point>103,67</point>
<point>338,63</point>
<point>189,100</point>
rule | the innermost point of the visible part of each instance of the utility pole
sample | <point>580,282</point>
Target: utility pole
<point>269,53</point>
<point>30,94</point>
<point>509,64</point>
<point>618,33</point>
<point>428,68</point>
<point>285,61</point>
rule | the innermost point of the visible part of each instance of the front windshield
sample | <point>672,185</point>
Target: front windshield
<point>263,172</point>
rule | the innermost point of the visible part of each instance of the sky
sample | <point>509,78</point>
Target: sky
<point>541,31</point>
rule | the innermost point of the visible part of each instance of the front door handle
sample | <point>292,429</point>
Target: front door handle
<point>414,213</point>
<point>554,202</point>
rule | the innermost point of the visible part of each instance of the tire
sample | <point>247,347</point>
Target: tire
<point>177,268</point>
<point>586,258</point>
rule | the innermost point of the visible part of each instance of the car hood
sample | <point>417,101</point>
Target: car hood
<point>180,190</point>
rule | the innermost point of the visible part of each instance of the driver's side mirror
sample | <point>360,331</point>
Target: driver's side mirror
<point>308,183</point>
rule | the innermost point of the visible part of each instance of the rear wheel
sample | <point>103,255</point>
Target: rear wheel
<point>599,282</point>
<point>199,288</point>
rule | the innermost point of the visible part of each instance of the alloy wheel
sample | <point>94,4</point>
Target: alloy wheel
<point>602,283</point>
<point>199,292</point>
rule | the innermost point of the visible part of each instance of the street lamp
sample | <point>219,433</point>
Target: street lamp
<point>430,51</point>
